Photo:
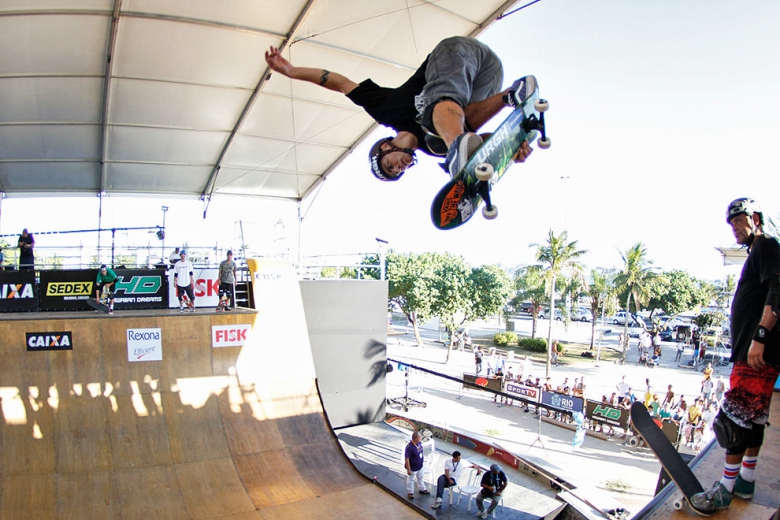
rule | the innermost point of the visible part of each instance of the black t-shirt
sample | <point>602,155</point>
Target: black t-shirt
<point>394,107</point>
<point>498,481</point>
<point>26,252</point>
<point>762,263</point>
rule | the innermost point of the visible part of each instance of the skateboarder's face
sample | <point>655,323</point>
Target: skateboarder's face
<point>743,227</point>
<point>395,161</point>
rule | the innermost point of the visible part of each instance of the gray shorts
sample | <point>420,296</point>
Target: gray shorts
<point>460,69</point>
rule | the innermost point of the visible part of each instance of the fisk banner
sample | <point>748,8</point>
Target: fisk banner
<point>206,288</point>
<point>229,335</point>
<point>144,345</point>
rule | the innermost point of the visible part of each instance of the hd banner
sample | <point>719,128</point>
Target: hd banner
<point>17,291</point>
<point>134,289</point>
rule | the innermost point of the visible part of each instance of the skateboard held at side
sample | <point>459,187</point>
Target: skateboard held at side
<point>459,199</point>
<point>97,305</point>
<point>670,459</point>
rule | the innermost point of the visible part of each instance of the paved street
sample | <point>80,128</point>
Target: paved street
<point>617,473</point>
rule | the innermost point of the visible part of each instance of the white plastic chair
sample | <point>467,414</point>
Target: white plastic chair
<point>429,467</point>
<point>471,488</point>
<point>457,488</point>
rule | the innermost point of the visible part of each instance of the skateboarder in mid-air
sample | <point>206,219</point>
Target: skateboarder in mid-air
<point>455,91</point>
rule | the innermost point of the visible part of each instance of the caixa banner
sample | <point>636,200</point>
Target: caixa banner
<point>17,291</point>
<point>133,289</point>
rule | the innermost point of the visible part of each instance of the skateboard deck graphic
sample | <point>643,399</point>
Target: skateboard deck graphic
<point>97,305</point>
<point>459,199</point>
<point>670,459</point>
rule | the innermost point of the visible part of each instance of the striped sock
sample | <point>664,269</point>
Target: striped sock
<point>748,468</point>
<point>730,472</point>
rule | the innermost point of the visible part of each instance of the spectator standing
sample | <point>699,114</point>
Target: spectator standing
<point>478,359</point>
<point>175,256</point>
<point>720,389</point>
<point>622,387</point>
<point>413,462</point>
<point>669,396</point>
<point>680,350</point>
<point>26,254</point>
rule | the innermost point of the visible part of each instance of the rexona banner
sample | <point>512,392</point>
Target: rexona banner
<point>17,291</point>
<point>45,341</point>
<point>229,335</point>
<point>144,345</point>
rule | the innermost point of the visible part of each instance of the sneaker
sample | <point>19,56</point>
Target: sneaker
<point>709,501</point>
<point>437,503</point>
<point>461,149</point>
<point>425,492</point>
<point>192,309</point>
<point>111,311</point>
<point>743,488</point>
<point>410,496</point>
<point>181,309</point>
<point>521,90</point>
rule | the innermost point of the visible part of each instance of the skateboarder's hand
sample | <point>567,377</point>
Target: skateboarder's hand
<point>276,62</point>
<point>523,153</point>
<point>756,355</point>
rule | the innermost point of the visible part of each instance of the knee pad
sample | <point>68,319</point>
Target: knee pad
<point>755,437</point>
<point>730,435</point>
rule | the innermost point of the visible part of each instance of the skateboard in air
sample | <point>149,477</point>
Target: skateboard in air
<point>98,305</point>
<point>670,459</point>
<point>459,199</point>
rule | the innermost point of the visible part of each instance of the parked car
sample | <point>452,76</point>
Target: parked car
<point>620,319</point>
<point>526,307</point>
<point>581,314</point>
<point>713,336</point>
<point>544,313</point>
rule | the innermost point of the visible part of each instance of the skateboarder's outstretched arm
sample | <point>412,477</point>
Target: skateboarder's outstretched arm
<point>323,77</point>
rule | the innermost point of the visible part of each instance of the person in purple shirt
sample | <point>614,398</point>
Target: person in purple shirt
<point>413,462</point>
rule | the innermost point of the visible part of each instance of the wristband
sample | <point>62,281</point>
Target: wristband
<point>759,336</point>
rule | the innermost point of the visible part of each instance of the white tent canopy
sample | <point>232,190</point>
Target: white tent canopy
<point>175,97</point>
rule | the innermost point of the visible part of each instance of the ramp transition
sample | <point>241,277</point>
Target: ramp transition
<point>234,432</point>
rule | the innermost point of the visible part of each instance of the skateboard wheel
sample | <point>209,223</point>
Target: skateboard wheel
<point>544,143</point>
<point>678,504</point>
<point>484,171</point>
<point>541,105</point>
<point>633,441</point>
<point>491,213</point>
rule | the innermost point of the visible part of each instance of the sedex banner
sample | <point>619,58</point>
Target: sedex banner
<point>134,289</point>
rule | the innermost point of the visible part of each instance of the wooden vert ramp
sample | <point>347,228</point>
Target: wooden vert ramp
<point>235,432</point>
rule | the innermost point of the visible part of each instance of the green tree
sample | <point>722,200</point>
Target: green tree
<point>410,278</point>
<point>530,287</point>
<point>558,256</point>
<point>633,282</point>
<point>677,291</point>
<point>451,293</point>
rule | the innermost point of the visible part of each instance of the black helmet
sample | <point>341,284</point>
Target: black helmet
<point>744,206</point>
<point>375,159</point>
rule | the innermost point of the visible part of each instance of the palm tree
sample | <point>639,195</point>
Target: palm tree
<point>557,256</point>
<point>529,286</point>
<point>633,282</point>
<point>600,293</point>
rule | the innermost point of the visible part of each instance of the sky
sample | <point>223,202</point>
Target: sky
<point>661,113</point>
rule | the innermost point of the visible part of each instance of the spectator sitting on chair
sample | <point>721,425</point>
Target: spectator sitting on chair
<point>493,484</point>
<point>452,470</point>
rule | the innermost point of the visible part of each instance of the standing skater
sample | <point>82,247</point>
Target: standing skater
<point>739,425</point>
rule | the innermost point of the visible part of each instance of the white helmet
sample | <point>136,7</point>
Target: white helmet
<point>744,206</point>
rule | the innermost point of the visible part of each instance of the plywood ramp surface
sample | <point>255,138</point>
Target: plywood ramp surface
<point>767,497</point>
<point>233,433</point>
